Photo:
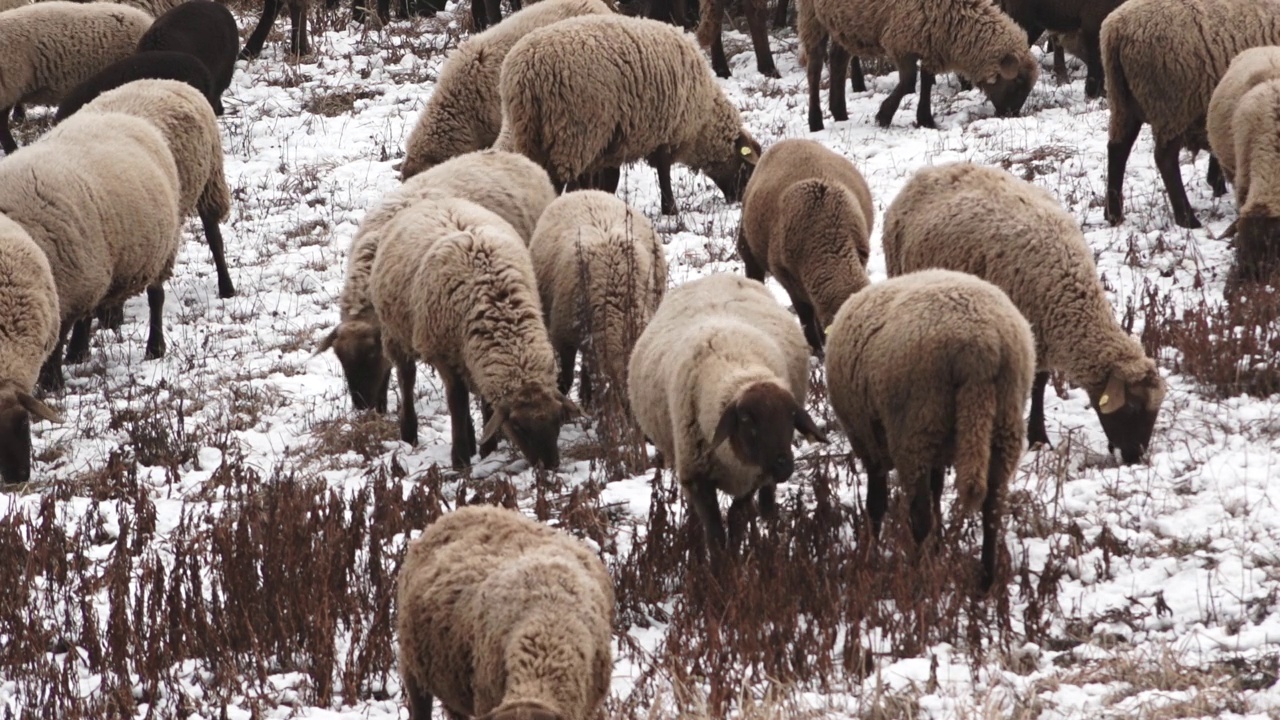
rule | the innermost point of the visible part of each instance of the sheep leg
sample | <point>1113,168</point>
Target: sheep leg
<point>1216,179</point>
<point>739,518</point>
<point>936,476</point>
<point>917,479</point>
<point>1002,466</point>
<point>1036,432</point>
<point>924,108</point>
<point>661,161</point>
<point>299,42</point>
<point>584,387</point>
<point>809,321</point>
<point>607,180</point>
<point>19,113</point>
<point>464,430</point>
<point>856,78</point>
<point>877,495</point>
<point>493,9</point>
<point>380,395</point>
<point>384,10</point>
<point>1167,163</point>
<point>767,499</point>
<point>419,702</point>
<point>1118,149</point>
<point>568,355</point>
<point>1095,81</point>
<point>111,316</point>
<point>1060,66</point>
<point>703,496</point>
<point>407,372</point>
<point>479,18</point>
<point>719,63</point>
<point>359,13</point>
<point>6,137</point>
<point>213,236</point>
<point>51,377</point>
<point>906,85</point>
<point>486,412</point>
<point>780,14</point>
<point>155,338</point>
<point>817,56</point>
<point>253,46</point>
<point>839,62</point>
<point>751,266</point>
<point>757,12</point>
<point>78,345</point>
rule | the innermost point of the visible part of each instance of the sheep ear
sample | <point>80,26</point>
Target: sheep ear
<point>1113,398</point>
<point>38,409</point>
<point>492,427</point>
<point>747,149</point>
<point>1009,66</point>
<point>325,344</point>
<point>727,426</point>
<point>808,428</point>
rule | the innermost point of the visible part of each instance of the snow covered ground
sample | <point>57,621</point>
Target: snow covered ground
<point>1149,591</point>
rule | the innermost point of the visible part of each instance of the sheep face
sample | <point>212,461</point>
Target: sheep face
<point>1128,410</point>
<point>522,710</point>
<point>531,420</point>
<point>1009,87</point>
<point>1258,246</point>
<point>17,408</point>
<point>759,427</point>
<point>731,174</point>
<point>358,345</point>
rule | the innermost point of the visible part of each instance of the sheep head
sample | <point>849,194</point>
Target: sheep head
<point>1127,406</point>
<point>17,408</point>
<point>358,345</point>
<point>531,420</point>
<point>522,710</point>
<point>759,426</point>
<point>732,173</point>
<point>1008,87</point>
<point>1258,238</point>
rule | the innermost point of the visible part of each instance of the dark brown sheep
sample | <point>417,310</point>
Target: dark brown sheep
<point>1067,16</point>
<point>205,30</point>
<point>141,66</point>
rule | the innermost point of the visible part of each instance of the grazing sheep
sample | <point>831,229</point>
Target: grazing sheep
<point>464,112</point>
<point>204,29</point>
<point>1246,71</point>
<point>189,127</point>
<point>99,195</point>
<point>503,618</point>
<point>140,66</point>
<point>48,48</point>
<point>555,78</point>
<point>1082,19</point>
<point>29,314</point>
<point>806,218</point>
<point>929,370</point>
<point>453,285</point>
<point>1257,154</point>
<point>1162,66</point>
<point>717,382</point>
<point>710,27</point>
<point>601,274</point>
<point>1015,235</point>
<point>971,37</point>
<point>510,185</point>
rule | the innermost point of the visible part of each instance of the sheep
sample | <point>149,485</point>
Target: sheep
<point>453,285</point>
<point>1082,19</point>
<point>717,382</point>
<point>191,131</point>
<point>1257,155</point>
<point>29,314</point>
<point>967,36</point>
<point>710,26</point>
<point>510,185</point>
<point>601,273</point>
<point>555,78</point>
<point>503,618</point>
<point>204,29</point>
<point>1162,67</point>
<point>464,112</point>
<point>807,218</point>
<point>927,370</point>
<point>99,195</point>
<point>139,66</point>
<point>48,48</point>
<point>1247,70</point>
<point>1016,236</point>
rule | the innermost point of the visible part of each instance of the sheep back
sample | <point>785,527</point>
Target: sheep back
<point>1246,70</point>
<point>207,31</point>
<point>807,216</point>
<point>483,593</point>
<point>464,112</point>
<point>139,66</point>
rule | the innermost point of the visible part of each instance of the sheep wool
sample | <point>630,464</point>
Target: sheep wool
<point>48,48</point>
<point>578,111</point>
<point>601,274</point>
<point>928,370</point>
<point>807,218</point>
<point>970,37</point>
<point>511,185</point>
<point>717,381</point>
<point>453,285</point>
<point>1163,59</point>
<point>503,617</point>
<point>1246,71</point>
<point>464,112</point>
<point>1016,236</point>
<point>29,321</point>
<point>1257,151</point>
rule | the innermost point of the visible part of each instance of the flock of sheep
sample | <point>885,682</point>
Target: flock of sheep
<point>505,253</point>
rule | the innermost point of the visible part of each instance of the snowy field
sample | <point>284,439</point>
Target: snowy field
<point>216,534</point>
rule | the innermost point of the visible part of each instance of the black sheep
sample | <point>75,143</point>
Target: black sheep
<point>142,66</point>
<point>204,29</point>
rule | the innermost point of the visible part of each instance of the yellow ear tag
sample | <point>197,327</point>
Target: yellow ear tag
<point>1104,399</point>
<point>746,151</point>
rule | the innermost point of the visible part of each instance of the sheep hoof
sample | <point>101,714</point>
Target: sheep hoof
<point>226,291</point>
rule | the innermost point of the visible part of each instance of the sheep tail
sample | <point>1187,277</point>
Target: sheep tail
<point>215,199</point>
<point>709,22</point>
<point>1119,95</point>
<point>975,422</point>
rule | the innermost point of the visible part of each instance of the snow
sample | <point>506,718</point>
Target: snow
<point>1195,586</point>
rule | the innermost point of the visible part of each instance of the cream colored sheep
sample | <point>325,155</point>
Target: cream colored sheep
<point>717,382</point>
<point>1256,126</point>
<point>929,370</point>
<point>503,618</point>
<point>1247,70</point>
<point>807,218</point>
